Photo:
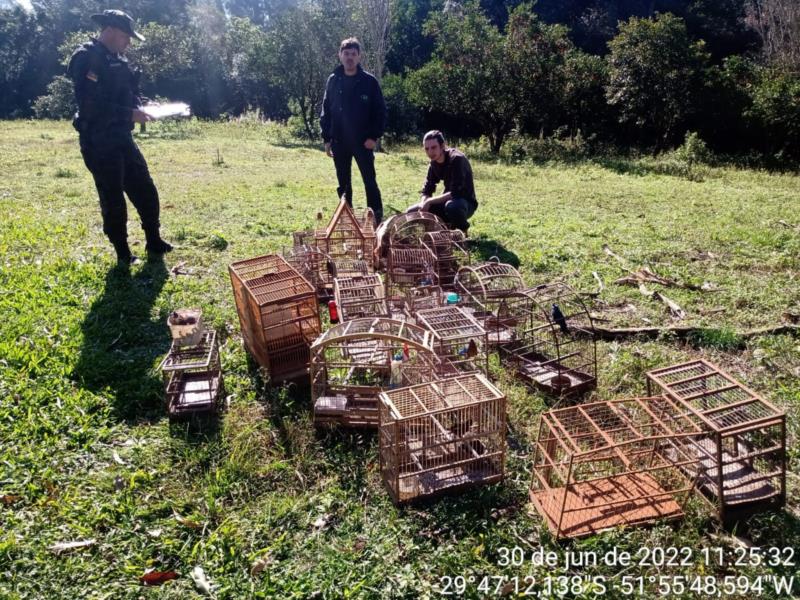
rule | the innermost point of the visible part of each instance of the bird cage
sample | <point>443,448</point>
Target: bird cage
<point>441,436</point>
<point>345,237</point>
<point>554,343</point>
<point>458,337</point>
<point>743,450</point>
<point>354,361</point>
<point>450,252</point>
<point>421,298</point>
<point>616,463</point>
<point>314,265</point>
<point>482,288</point>
<point>192,376</point>
<point>348,267</point>
<point>405,230</point>
<point>278,313</point>
<point>408,268</point>
<point>362,296</point>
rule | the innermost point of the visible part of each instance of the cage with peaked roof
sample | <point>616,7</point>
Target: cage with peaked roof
<point>192,376</point>
<point>742,452</point>
<point>450,252</point>
<point>278,313</point>
<point>553,345</point>
<point>348,236</point>
<point>441,436</point>
<point>457,337</point>
<point>361,296</point>
<point>354,361</point>
<point>615,463</point>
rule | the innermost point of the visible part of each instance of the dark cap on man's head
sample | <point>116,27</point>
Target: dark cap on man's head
<point>118,20</point>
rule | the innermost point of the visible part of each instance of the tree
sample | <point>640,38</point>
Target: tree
<point>777,22</point>
<point>656,75</point>
<point>374,17</point>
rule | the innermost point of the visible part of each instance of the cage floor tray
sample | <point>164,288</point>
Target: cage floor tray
<point>414,486</point>
<point>740,482</point>
<point>195,393</point>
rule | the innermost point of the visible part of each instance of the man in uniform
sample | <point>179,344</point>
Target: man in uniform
<point>458,203</point>
<point>353,117</point>
<point>106,90</point>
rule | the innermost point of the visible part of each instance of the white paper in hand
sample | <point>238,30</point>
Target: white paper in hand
<point>170,109</point>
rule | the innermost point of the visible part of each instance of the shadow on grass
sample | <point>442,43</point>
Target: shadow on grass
<point>121,342</point>
<point>483,249</point>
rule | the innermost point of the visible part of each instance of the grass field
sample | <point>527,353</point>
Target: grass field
<point>268,507</point>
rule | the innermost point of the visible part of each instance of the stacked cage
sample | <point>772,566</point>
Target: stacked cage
<point>193,377</point>
<point>422,298</point>
<point>362,296</point>
<point>404,230</point>
<point>406,269</point>
<point>441,436</point>
<point>554,343</point>
<point>457,337</point>
<point>616,463</point>
<point>743,450</point>
<point>278,313</point>
<point>450,252</point>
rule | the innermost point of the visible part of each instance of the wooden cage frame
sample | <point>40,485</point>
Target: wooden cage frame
<point>450,251</point>
<point>192,374</point>
<point>362,296</point>
<point>743,450</point>
<point>348,237</point>
<point>615,463</point>
<point>278,313</point>
<point>455,333</point>
<point>554,352</point>
<point>408,268</point>
<point>404,230</point>
<point>441,436</point>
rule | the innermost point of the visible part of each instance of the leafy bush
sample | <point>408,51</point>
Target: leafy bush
<point>58,102</point>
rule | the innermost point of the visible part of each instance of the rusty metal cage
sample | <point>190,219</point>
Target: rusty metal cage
<point>554,344</point>
<point>408,268</point>
<point>354,361</point>
<point>362,296</point>
<point>442,436</point>
<point>458,337</point>
<point>743,450</point>
<point>347,237</point>
<point>608,464</point>
<point>278,313</point>
<point>193,377</point>
<point>450,252</point>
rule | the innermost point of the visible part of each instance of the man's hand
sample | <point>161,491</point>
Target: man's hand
<point>328,150</point>
<point>139,116</point>
<point>369,144</point>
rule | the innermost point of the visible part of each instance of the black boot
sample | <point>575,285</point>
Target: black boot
<point>124,256</point>
<point>155,245</point>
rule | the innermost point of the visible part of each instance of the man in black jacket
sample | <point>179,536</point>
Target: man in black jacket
<point>458,203</point>
<point>106,90</point>
<point>352,120</point>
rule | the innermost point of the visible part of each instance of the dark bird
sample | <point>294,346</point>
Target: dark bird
<point>559,318</point>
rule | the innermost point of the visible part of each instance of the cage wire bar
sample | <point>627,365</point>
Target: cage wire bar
<point>743,450</point>
<point>614,463</point>
<point>450,251</point>
<point>553,345</point>
<point>362,296</point>
<point>278,314</point>
<point>354,361</point>
<point>192,377</point>
<point>441,436</point>
<point>457,337</point>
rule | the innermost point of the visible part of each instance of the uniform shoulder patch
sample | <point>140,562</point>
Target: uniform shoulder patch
<point>91,76</point>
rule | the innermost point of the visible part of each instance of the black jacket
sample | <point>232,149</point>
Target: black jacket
<point>456,173</point>
<point>358,117</point>
<point>106,89</point>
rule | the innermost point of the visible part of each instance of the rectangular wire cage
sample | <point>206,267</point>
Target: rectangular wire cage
<point>743,449</point>
<point>616,463</point>
<point>193,377</point>
<point>441,436</point>
<point>362,296</point>
<point>278,313</point>
<point>458,337</point>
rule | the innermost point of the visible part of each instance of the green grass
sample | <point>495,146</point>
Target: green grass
<point>86,451</point>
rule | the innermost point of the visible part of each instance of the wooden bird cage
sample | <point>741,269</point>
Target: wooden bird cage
<point>450,251</point>
<point>458,337</point>
<point>441,436</point>
<point>408,268</point>
<point>616,463</point>
<point>353,362</point>
<point>553,345</point>
<point>346,237</point>
<point>362,296</point>
<point>743,450</point>
<point>405,230</point>
<point>482,288</point>
<point>315,266</point>
<point>193,377</point>
<point>421,298</point>
<point>278,313</point>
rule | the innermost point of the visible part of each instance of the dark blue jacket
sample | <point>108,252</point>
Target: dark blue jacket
<point>360,116</point>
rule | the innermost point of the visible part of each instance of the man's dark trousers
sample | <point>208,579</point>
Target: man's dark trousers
<point>119,168</point>
<point>455,213</point>
<point>343,155</point>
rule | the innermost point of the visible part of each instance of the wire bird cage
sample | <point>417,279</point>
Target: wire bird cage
<point>193,377</point>
<point>743,450</point>
<point>421,298</point>
<point>482,288</point>
<point>457,337</point>
<point>408,268</point>
<point>404,230</point>
<point>441,436</point>
<point>450,252</point>
<point>278,313</point>
<point>347,236</point>
<point>553,345</point>
<point>362,296</point>
<point>354,361</point>
<point>608,464</point>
